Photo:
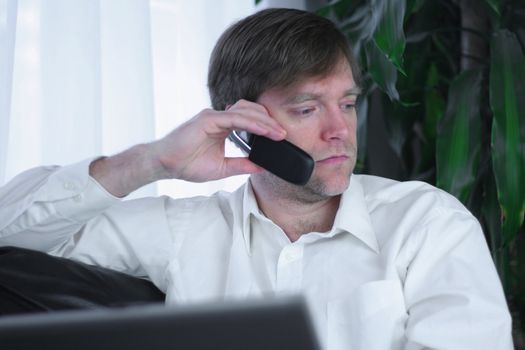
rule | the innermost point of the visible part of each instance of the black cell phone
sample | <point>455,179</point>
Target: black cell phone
<point>281,158</point>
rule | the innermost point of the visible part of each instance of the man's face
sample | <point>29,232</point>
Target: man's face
<point>319,116</point>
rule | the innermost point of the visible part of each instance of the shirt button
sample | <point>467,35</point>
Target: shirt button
<point>289,257</point>
<point>77,198</point>
<point>69,186</point>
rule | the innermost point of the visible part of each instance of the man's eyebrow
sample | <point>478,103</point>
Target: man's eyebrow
<point>353,91</point>
<point>300,98</point>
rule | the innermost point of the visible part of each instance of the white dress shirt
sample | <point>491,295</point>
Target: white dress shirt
<point>405,265</point>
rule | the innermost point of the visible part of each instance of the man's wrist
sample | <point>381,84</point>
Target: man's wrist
<point>127,171</point>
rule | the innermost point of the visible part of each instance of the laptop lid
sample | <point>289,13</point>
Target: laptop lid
<point>278,323</point>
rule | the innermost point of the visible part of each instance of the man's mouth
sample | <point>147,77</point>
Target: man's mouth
<point>335,159</point>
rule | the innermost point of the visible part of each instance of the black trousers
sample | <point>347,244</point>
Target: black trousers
<point>32,281</point>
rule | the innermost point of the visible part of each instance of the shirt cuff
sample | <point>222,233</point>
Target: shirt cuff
<point>76,195</point>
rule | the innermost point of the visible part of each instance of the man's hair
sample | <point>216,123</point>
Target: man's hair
<point>274,48</point>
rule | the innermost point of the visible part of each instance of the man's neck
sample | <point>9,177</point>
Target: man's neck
<point>296,217</point>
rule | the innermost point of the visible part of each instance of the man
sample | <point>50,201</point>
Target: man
<point>383,264</point>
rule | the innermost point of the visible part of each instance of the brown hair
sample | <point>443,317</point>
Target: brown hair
<point>273,48</point>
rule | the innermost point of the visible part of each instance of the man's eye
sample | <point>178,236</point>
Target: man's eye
<point>348,106</point>
<point>304,112</point>
<point>307,111</point>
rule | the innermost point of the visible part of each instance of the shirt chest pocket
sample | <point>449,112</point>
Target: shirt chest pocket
<point>373,318</point>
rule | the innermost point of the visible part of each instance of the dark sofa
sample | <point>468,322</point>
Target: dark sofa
<point>32,281</point>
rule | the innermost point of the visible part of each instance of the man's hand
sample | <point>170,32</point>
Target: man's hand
<point>193,152</point>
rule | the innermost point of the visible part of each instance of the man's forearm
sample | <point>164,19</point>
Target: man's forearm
<point>127,171</point>
<point>193,152</point>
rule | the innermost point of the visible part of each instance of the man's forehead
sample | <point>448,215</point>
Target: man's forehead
<point>339,78</point>
<point>340,84</point>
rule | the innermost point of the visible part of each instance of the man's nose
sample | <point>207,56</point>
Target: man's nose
<point>337,124</point>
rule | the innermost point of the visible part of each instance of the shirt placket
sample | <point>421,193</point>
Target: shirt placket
<point>290,269</point>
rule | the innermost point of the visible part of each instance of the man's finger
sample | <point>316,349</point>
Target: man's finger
<point>239,166</point>
<point>256,125</point>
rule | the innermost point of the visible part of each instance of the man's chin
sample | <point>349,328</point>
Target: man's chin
<point>316,189</point>
<point>328,188</point>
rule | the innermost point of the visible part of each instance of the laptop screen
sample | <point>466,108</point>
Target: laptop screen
<point>278,323</point>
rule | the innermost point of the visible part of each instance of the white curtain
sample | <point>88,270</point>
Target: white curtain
<point>80,78</point>
<point>184,33</point>
<point>8,14</point>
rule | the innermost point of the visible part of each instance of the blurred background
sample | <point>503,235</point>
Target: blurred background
<point>83,78</point>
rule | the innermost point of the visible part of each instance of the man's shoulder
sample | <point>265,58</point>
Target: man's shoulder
<point>222,201</point>
<point>410,210</point>
<point>383,191</point>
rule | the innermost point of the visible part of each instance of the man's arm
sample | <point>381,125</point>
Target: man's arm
<point>193,152</point>
<point>50,208</point>
<point>452,291</point>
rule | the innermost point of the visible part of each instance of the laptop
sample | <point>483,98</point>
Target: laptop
<point>277,323</point>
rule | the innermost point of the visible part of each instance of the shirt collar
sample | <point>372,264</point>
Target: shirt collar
<point>249,209</point>
<point>352,216</point>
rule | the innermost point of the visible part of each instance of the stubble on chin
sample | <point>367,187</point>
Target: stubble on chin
<point>314,191</point>
<point>317,189</point>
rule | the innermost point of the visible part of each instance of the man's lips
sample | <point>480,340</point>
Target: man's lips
<point>335,159</point>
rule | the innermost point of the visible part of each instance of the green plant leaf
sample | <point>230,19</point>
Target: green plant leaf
<point>324,11</point>
<point>507,100</point>
<point>342,7</point>
<point>397,123</point>
<point>434,104</point>
<point>414,6</point>
<point>361,25</point>
<point>389,35</point>
<point>494,4</point>
<point>520,271</point>
<point>362,116</point>
<point>491,218</point>
<point>459,137</point>
<point>383,71</point>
